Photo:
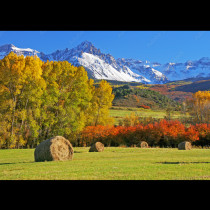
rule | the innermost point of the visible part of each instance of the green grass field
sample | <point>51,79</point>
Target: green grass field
<point>119,112</point>
<point>115,163</point>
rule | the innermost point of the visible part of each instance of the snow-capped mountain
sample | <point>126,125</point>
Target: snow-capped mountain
<point>143,68</point>
<point>189,69</point>
<point>7,48</point>
<point>105,66</point>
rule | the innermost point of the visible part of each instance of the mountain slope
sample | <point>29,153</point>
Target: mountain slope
<point>105,66</point>
<point>141,67</point>
<point>98,65</point>
<point>189,69</point>
<point>7,48</point>
<point>195,86</point>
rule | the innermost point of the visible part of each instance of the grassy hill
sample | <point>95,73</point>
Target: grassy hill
<point>194,86</point>
<point>114,83</point>
<point>128,96</point>
<point>156,96</point>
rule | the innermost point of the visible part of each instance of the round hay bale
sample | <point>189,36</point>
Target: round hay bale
<point>185,145</point>
<point>56,148</point>
<point>143,144</point>
<point>97,147</point>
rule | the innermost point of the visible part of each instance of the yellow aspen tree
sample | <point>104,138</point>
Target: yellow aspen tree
<point>102,101</point>
<point>201,106</point>
<point>21,83</point>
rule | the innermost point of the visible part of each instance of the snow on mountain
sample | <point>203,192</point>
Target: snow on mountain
<point>98,65</point>
<point>144,68</point>
<point>102,70</point>
<point>105,66</point>
<point>189,69</point>
<point>7,48</point>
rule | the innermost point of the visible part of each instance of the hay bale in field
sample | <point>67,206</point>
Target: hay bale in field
<point>56,148</point>
<point>97,147</point>
<point>185,145</point>
<point>143,144</point>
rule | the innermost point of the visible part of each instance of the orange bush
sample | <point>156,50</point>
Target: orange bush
<point>162,133</point>
<point>191,134</point>
<point>144,106</point>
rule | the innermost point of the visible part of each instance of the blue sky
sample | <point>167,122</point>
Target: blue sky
<point>161,46</point>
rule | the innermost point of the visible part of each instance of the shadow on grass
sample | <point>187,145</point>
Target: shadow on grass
<point>79,152</point>
<point>16,163</point>
<point>182,162</point>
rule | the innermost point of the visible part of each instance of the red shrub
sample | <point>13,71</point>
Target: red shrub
<point>144,106</point>
<point>164,132</point>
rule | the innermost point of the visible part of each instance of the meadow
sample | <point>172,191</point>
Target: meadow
<point>119,113</point>
<point>114,163</point>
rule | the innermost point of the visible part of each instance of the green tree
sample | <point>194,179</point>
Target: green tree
<point>66,99</point>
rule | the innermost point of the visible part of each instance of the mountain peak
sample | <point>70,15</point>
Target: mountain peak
<point>88,47</point>
<point>9,45</point>
<point>6,47</point>
<point>86,43</point>
<point>204,60</point>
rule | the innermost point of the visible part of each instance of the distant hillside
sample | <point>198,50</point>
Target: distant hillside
<point>169,91</point>
<point>178,91</point>
<point>115,82</point>
<point>128,96</point>
<point>194,86</point>
<point>190,80</point>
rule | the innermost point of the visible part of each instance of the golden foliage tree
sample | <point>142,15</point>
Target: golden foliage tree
<point>21,86</point>
<point>41,99</point>
<point>199,106</point>
<point>101,102</point>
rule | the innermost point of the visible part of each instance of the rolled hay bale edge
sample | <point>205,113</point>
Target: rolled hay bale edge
<point>143,144</point>
<point>56,148</point>
<point>97,147</point>
<point>185,145</point>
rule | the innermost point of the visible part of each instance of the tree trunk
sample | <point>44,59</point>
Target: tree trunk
<point>96,122</point>
<point>13,115</point>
